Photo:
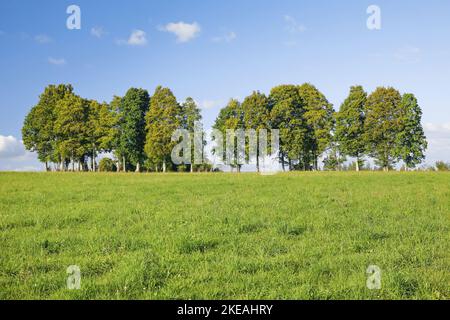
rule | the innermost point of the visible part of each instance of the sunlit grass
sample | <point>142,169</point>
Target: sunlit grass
<point>223,236</point>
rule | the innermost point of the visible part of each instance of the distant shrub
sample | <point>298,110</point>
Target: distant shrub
<point>107,165</point>
<point>442,166</point>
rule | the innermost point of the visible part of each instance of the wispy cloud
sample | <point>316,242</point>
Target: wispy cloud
<point>98,32</point>
<point>136,38</point>
<point>438,136</point>
<point>442,128</point>
<point>184,32</point>
<point>43,39</point>
<point>229,37</point>
<point>11,147</point>
<point>209,104</point>
<point>408,54</point>
<point>292,26</point>
<point>14,157</point>
<point>290,43</point>
<point>57,61</point>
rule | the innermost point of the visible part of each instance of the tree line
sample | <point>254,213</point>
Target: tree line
<point>384,125</point>
<point>68,132</point>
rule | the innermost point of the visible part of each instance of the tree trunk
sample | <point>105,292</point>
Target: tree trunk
<point>282,163</point>
<point>93,159</point>
<point>257,163</point>
<point>164,166</point>
<point>124,165</point>
<point>357,164</point>
<point>138,167</point>
<point>192,168</point>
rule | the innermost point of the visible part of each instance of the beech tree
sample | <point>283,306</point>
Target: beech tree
<point>102,122</point>
<point>287,115</point>
<point>71,130</point>
<point>134,106</point>
<point>256,110</point>
<point>383,125</point>
<point>191,115</point>
<point>350,125</point>
<point>38,130</point>
<point>411,140</point>
<point>319,116</point>
<point>163,118</point>
<point>231,118</point>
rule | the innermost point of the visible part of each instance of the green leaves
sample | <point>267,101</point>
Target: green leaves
<point>382,125</point>
<point>163,118</point>
<point>350,123</point>
<point>385,125</point>
<point>411,140</point>
<point>133,108</point>
<point>319,116</point>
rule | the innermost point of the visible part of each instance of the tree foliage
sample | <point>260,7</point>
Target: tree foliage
<point>64,128</point>
<point>350,124</point>
<point>382,125</point>
<point>319,116</point>
<point>411,140</point>
<point>163,118</point>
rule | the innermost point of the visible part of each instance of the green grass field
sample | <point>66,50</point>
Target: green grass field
<point>223,236</point>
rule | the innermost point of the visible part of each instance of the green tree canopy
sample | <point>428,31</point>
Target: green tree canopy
<point>71,130</point>
<point>134,106</point>
<point>231,118</point>
<point>38,132</point>
<point>350,124</point>
<point>163,118</point>
<point>287,115</point>
<point>411,140</point>
<point>256,109</point>
<point>319,116</point>
<point>191,114</point>
<point>382,125</point>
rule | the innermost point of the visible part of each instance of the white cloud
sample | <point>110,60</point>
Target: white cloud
<point>43,39</point>
<point>292,25</point>
<point>98,32</point>
<point>10,147</point>
<point>408,54</point>
<point>229,37</point>
<point>290,43</point>
<point>183,31</point>
<point>14,157</point>
<point>57,61</point>
<point>210,104</point>
<point>136,38</point>
<point>438,137</point>
<point>437,128</point>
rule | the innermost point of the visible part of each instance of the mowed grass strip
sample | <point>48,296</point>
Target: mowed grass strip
<point>224,236</point>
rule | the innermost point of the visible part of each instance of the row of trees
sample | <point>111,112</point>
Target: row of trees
<point>384,125</point>
<point>70,131</point>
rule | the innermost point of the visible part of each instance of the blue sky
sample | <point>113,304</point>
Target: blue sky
<point>224,49</point>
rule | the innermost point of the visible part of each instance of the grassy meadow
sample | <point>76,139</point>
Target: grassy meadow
<point>224,236</point>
